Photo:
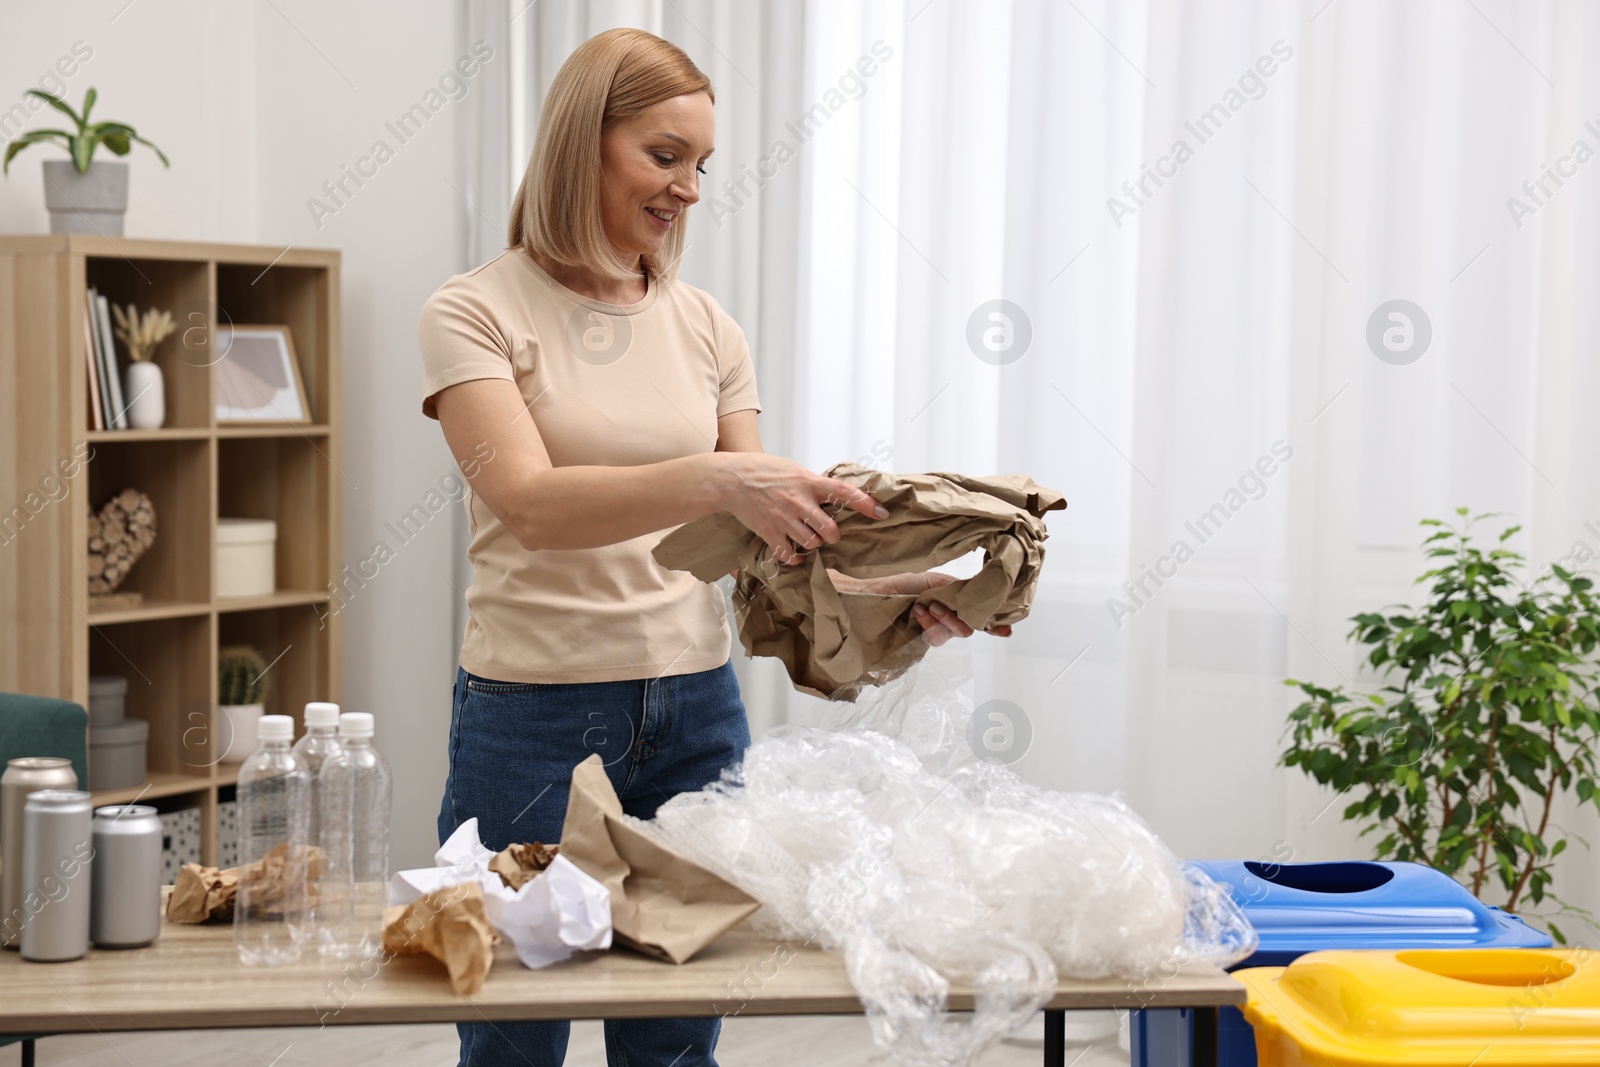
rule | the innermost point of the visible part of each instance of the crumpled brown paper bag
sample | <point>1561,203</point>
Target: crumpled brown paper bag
<point>450,925</point>
<point>202,893</point>
<point>519,863</point>
<point>834,645</point>
<point>662,904</point>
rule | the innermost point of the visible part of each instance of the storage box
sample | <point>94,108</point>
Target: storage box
<point>227,834</point>
<point>1443,1007</point>
<point>106,694</point>
<point>180,841</point>
<point>1303,907</point>
<point>246,550</point>
<point>116,754</point>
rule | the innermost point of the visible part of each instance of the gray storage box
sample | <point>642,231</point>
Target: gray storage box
<point>106,693</point>
<point>116,754</point>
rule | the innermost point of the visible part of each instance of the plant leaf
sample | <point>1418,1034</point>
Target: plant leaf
<point>34,137</point>
<point>59,104</point>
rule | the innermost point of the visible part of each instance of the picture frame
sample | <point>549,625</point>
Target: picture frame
<point>258,377</point>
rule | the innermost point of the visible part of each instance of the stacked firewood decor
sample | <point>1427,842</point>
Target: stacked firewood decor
<point>121,532</point>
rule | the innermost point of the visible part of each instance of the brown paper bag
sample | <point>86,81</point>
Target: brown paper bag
<point>450,925</point>
<point>836,644</point>
<point>662,904</point>
<point>518,863</point>
<point>201,893</point>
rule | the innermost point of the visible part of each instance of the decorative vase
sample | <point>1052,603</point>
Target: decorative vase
<point>146,396</point>
<point>93,201</point>
<point>237,729</point>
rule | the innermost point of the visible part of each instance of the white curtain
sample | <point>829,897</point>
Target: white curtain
<point>1339,156</point>
<point>1184,352</point>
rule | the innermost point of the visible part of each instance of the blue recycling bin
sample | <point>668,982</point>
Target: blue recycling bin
<point>1302,907</point>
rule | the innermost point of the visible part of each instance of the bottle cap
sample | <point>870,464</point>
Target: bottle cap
<point>322,714</point>
<point>355,724</point>
<point>275,728</point>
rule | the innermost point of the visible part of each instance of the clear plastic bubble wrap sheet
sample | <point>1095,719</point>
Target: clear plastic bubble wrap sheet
<point>882,837</point>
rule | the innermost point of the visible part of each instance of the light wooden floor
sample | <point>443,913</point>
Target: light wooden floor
<point>835,1040</point>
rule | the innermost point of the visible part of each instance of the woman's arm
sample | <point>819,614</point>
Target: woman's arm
<point>589,506</point>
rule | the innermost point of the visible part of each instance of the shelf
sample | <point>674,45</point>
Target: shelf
<point>303,298</point>
<point>274,430</point>
<point>275,478</point>
<point>166,433</point>
<point>176,473</point>
<point>283,598</point>
<point>169,665</point>
<point>150,609</point>
<point>195,433</point>
<point>91,244</point>
<point>160,784</point>
<point>181,287</point>
<point>52,638</point>
<point>292,640</point>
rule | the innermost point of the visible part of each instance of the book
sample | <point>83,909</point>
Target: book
<point>118,415</point>
<point>96,419</point>
<point>107,406</point>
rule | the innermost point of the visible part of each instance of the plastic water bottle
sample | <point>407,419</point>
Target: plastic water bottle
<point>320,743</point>
<point>274,799</point>
<point>359,791</point>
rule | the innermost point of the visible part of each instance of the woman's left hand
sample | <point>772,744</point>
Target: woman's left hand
<point>939,623</point>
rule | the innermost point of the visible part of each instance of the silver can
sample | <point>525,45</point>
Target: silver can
<point>125,906</point>
<point>57,852</point>
<point>22,776</point>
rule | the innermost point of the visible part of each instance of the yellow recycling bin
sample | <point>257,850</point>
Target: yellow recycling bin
<point>1504,1007</point>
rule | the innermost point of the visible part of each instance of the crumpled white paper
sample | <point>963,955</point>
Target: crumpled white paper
<point>558,912</point>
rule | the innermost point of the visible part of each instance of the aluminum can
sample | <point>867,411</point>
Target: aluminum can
<point>22,776</point>
<point>57,852</point>
<point>125,906</point>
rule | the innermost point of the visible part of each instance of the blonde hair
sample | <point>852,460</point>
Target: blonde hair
<point>612,76</point>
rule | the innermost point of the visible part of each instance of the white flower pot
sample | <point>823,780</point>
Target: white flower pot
<point>146,396</point>
<point>236,730</point>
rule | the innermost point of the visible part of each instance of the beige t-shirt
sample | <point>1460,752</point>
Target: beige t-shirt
<point>606,385</point>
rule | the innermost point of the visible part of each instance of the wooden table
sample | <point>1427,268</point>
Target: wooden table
<point>190,979</point>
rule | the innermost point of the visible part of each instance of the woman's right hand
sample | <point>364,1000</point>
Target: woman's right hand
<point>787,505</point>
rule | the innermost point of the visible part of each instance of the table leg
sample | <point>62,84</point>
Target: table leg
<point>1055,1038</point>
<point>27,1052</point>
<point>1203,1051</point>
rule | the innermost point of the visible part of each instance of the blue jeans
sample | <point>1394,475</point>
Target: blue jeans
<point>513,746</point>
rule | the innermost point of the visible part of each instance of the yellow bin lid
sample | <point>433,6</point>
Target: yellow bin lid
<point>1497,1007</point>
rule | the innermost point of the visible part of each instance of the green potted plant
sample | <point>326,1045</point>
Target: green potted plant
<point>82,194</point>
<point>1488,719</point>
<point>241,699</point>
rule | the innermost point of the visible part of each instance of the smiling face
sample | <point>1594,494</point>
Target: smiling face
<point>650,171</point>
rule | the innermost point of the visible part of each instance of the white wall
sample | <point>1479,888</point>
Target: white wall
<point>257,105</point>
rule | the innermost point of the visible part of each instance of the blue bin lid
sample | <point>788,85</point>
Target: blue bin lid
<point>1302,907</point>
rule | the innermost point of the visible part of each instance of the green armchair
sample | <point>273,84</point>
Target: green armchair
<point>42,726</point>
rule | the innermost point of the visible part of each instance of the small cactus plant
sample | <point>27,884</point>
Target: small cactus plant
<point>241,675</point>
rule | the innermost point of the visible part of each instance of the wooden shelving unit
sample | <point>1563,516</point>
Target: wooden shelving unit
<point>51,637</point>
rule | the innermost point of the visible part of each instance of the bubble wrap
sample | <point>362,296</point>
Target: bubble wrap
<point>882,839</point>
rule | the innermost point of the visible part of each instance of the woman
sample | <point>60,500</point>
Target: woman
<point>594,403</point>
